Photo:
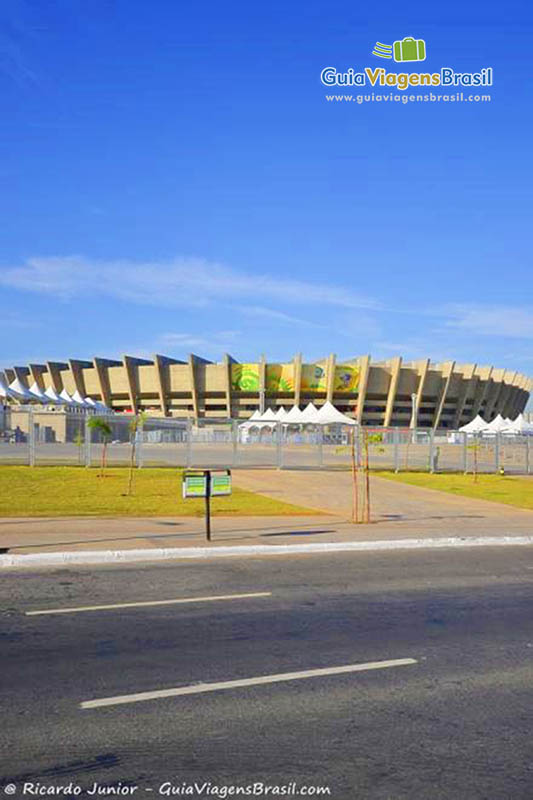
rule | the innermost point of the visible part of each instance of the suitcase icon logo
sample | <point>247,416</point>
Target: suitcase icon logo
<point>409,49</point>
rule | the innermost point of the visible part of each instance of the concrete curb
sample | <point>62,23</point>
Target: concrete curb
<point>177,553</point>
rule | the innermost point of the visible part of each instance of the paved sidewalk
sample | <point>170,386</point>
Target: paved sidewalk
<point>399,511</point>
<point>396,508</point>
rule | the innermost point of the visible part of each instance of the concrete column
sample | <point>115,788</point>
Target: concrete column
<point>364,374</point>
<point>447,377</point>
<point>396,365</point>
<point>297,367</point>
<point>330,376</point>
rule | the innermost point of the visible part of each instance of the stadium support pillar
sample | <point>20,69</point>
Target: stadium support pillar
<point>506,396</point>
<point>364,374</point>
<point>55,368</point>
<point>262,384</point>
<point>469,383</point>
<point>396,365</point>
<point>297,366</point>
<point>227,387</point>
<point>101,366</point>
<point>160,377</point>
<point>483,387</point>
<point>330,377</point>
<point>194,390</point>
<point>447,374</point>
<point>423,369</point>
<point>129,367</point>
<point>498,377</point>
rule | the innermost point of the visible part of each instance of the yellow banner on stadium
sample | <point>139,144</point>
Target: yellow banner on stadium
<point>280,378</point>
<point>314,378</point>
<point>346,378</point>
<point>245,377</point>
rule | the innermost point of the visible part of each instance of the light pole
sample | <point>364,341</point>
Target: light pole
<point>414,413</point>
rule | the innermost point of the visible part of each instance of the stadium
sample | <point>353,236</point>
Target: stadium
<point>389,393</point>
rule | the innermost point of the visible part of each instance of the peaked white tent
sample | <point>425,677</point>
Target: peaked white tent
<point>34,389</point>
<point>96,405</point>
<point>498,425</point>
<point>17,386</point>
<point>64,395</point>
<point>79,399</point>
<point>294,416</point>
<point>476,425</point>
<point>7,392</point>
<point>53,396</point>
<point>268,416</point>
<point>281,414</point>
<point>520,426</point>
<point>329,415</point>
<point>310,415</point>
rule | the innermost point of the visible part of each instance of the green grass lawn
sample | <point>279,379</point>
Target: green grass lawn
<point>501,489</point>
<point>75,491</point>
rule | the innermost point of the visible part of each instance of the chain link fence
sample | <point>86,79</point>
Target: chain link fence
<point>34,437</point>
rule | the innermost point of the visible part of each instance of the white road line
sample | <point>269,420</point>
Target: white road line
<point>148,603</point>
<point>200,688</point>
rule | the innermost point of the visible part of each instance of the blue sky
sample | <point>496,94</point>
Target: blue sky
<point>174,180</point>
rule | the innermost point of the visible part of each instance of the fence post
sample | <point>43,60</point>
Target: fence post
<point>465,452</point>
<point>139,436</point>
<point>497,452</point>
<point>396,440</point>
<point>189,443</point>
<point>279,446</point>
<point>431,450</point>
<point>234,442</point>
<point>87,441</point>
<point>31,438</point>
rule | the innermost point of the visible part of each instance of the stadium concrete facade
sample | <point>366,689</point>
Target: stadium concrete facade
<point>377,393</point>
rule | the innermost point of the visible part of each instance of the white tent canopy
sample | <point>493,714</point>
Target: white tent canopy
<point>498,425</point>
<point>6,391</point>
<point>53,396</point>
<point>294,416</point>
<point>34,389</point>
<point>329,415</point>
<point>520,425</point>
<point>97,405</point>
<point>79,399</point>
<point>268,416</point>
<point>310,415</point>
<point>281,414</point>
<point>64,395</point>
<point>17,387</point>
<point>476,425</point>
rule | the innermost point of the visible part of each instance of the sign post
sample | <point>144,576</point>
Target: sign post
<point>206,483</point>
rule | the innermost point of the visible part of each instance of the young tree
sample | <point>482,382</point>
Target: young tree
<point>104,428</point>
<point>135,426</point>
<point>79,441</point>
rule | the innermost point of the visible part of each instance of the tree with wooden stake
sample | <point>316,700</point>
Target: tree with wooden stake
<point>104,428</point>
<point>135,426</point>
<point>355,488</point>
<point>475,447</point>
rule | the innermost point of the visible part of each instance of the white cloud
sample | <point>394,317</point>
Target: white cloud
<point>498,321</point>
<point>183,282</point>
<point>216,342</point>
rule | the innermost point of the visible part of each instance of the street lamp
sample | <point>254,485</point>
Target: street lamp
<point>414,411</point>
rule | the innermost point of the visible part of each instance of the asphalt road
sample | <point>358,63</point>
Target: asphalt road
<point>455,724</point>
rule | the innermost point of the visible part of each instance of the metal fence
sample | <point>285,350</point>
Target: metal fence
<point>164,442</point>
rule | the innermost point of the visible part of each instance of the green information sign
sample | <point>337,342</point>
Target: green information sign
<point>194,485</point>
<point>220,483</point>
<point>206,483</point>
